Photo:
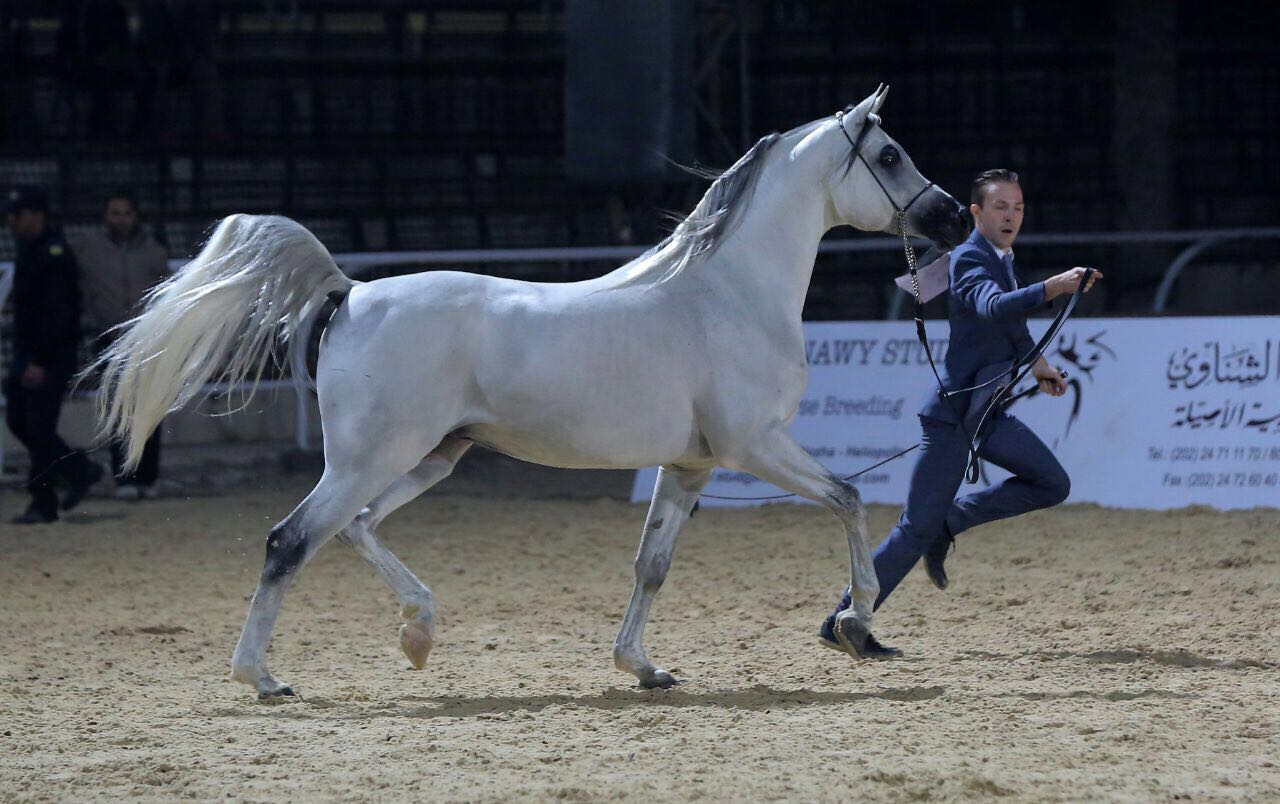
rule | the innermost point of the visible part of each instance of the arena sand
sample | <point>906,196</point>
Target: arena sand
<point>1082,653</point>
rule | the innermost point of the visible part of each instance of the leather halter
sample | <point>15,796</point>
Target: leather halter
<point>856,144</point>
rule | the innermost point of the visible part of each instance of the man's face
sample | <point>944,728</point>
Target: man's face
<point>120,218</point>
<point>1000,216</point>
<point>25,224</point>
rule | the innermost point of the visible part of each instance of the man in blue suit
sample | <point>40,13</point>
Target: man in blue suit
<point>988,304</point>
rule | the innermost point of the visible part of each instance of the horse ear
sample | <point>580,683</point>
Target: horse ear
<point>881,94</point>
<point>869,104</point>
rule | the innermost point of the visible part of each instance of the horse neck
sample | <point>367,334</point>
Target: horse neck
<point>771,252</point>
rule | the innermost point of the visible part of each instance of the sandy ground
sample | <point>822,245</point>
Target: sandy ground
<point>1082,653</point>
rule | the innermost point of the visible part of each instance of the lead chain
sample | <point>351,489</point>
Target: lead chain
<point>910,253</point>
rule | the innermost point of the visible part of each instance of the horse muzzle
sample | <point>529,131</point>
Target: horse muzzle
<point>942,219</point>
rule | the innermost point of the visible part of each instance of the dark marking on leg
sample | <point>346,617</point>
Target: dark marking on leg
<point>844,494</point>
<point>286,549</point>
<point>652,570</point>
<point>655,524</point>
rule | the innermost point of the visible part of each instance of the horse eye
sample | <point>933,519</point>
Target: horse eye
<point>889,156</point>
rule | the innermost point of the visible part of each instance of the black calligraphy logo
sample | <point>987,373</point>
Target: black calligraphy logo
<point>1080,358</point>
<point>1238,368</point>
<point>1225,415</point>
<point>1241,366</point>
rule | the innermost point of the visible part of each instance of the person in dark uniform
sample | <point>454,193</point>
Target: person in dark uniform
<point>46,333</point>
<point>988,304</point>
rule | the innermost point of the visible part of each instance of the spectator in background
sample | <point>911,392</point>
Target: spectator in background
<point>46,335</point>
<point>118,264</point>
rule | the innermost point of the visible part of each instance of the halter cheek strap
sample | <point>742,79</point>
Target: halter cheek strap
<point>856,144</point>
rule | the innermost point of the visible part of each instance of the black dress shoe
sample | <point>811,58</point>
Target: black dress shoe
<point>80,489</point>
<point>936,556</point>
<point>34,516</point>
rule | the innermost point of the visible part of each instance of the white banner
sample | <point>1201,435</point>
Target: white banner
<point>1160,412</point>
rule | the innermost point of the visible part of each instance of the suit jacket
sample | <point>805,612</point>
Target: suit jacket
<point>988,327</point>
<point>46,306</point>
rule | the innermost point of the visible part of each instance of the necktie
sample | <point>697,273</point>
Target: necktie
<point>1008,269</point>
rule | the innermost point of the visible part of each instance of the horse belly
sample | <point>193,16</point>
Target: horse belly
<point>606,434</point>
<point>586,385</point>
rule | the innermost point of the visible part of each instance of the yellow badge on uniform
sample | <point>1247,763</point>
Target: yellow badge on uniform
<point>55,250</point>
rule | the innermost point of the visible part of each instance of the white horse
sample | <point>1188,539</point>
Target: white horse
<point>689,357</point>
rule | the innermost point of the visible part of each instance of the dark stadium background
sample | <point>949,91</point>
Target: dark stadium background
<point>394,126</point>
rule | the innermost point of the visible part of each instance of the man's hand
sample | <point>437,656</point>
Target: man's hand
<point>1066,282</point>
<point>1049,378</point>
<point>32,376</point>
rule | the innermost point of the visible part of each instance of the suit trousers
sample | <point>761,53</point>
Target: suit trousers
<point>1038,481</point>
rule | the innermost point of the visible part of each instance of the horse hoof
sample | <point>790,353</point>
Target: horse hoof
<point>659,680</point>
<point>856,640</point>
<point>281,692</point>
<point>415,641</point>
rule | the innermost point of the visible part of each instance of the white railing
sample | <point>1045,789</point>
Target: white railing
<point>1198,241</point>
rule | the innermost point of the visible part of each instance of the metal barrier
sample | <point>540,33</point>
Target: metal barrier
<point>1198,239</point>
<point>1206,238</point>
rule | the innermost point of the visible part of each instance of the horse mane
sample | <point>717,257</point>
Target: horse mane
<point>710,222</point>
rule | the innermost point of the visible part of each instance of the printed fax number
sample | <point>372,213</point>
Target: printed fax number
<point>1240,480</point>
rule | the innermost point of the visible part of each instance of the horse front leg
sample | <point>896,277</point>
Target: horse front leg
<point>776,458</point>
<point>673,498</point>
<point>417,604</point>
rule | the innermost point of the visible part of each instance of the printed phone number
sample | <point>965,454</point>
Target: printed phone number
<point>1190,454</point>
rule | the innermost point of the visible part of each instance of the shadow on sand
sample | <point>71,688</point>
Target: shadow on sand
<point>757,698</point>
<point>1164,658</point>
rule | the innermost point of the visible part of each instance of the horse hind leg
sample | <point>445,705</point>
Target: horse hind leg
<point>331,505</point>
<point>673,497</point>
<point>417,604</point>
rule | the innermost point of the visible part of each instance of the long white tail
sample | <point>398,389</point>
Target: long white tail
<point>258,278</point>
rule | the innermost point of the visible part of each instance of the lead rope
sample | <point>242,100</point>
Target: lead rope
<point>847,477</point>
<point>1019,370</point>
<point>971,466</point>
<point>997,399</point>
<point>1016,371</point>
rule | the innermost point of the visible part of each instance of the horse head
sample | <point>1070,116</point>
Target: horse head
<point>877,182</point>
